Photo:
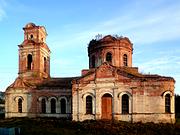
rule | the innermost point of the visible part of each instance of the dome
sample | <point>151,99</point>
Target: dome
<point>30,25</point>
<point>113,49</point>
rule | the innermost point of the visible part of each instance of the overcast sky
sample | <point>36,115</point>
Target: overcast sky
<point>152,26</point>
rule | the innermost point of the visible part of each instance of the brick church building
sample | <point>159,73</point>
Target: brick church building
<point>110,89</point>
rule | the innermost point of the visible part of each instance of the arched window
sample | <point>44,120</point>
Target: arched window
<point>43,106</point>
<point>125,104</point>
<point>93,61</point>
<point>53,105</point>
<point>88,105</point>
<point>109,57</point>
<point>125,60</point>
<point>20,105</point>
<point>63,106</point>
<point>29,62</point>
<point>167,103</point>
<point>45,63</point>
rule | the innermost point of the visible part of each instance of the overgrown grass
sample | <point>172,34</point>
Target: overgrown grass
<point>52,126</point>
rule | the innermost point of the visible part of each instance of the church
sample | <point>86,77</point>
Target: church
<point>110,89</point>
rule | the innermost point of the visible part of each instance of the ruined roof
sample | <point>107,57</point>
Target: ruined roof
<point>130,72</point>
<point>33,25</point>
<point>56,83</point>
<point>108,39</point>
<point>158,77</point>
<point>50,83</point>
<point>136,74</point>
<point>30,25</point>
<point>20,83</point>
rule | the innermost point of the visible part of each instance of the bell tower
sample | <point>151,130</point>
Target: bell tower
<point>34,54</point>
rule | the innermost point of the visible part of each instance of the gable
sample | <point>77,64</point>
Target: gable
<point>108,71</point>
<point>105,71</point>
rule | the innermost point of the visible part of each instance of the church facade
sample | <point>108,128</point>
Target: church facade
<point>110,89</point>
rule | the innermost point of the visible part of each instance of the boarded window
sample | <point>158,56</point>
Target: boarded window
<point>20,105</point>
<point>29,62</point>
<point>93,61</point>
<point>125,60</point>
<point>109,57</point>
<point>125,104</point>
<point>53,106</point>
<point>88,105</point>
<point>43,106</point>
<point>167,103</point>
<point>63,106</point>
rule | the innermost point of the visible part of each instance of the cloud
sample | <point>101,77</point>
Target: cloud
<point>163,64</point>
<point>161,24</point>
<point>2,11</point>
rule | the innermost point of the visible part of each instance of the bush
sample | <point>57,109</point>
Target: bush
<point>66,127</point>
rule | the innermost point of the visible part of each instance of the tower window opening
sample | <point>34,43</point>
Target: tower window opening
<point>93,61</point>
<point>45,64</point>
<point>109,57</point>
<point>125,60</point>
<point>29,62</point>
<point>20,105</point>
<point>31,36</point>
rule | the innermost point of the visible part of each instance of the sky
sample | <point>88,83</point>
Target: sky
<point>152,26</point>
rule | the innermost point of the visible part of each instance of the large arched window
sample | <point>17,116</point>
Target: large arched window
<point>20,105</point>
<point>43,105</point>
<point>93,62</point>
<point>29,62</point>
<point>167,103</point>
<point>45,63</point>
<point>88,105</point>
<point>125,104</point>
<point>63,106</point>
<point>53,105</point>
<point>109,57</point>
<point>125,60</point>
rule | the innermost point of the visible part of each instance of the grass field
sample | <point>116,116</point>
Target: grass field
<point>52,126</point>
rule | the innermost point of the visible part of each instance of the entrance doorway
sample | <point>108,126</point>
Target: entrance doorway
<point>106,106</point>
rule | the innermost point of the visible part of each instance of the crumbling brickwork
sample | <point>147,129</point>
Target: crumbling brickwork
<point>110,89</point>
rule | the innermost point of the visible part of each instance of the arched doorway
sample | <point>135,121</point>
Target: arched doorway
<point>106,102</point>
